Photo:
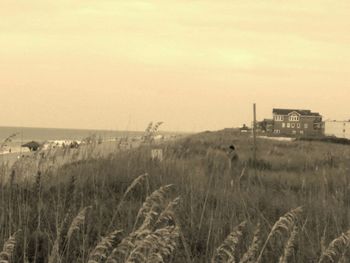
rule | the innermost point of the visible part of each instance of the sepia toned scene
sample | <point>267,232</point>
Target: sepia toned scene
<point>136,131</point>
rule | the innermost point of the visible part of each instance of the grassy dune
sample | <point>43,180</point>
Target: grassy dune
<point>63,213</point>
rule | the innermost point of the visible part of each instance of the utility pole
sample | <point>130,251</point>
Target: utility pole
<point>254,136</point>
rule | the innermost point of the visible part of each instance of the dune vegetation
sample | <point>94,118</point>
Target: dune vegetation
<point>291,205</point>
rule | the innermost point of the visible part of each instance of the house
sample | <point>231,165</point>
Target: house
<point>292,122</point>
<point>340,129</point>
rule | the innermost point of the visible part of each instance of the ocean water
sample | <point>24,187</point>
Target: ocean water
<point>25,134</point>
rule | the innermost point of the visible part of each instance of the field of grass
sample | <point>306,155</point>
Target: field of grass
<point>61,214</point>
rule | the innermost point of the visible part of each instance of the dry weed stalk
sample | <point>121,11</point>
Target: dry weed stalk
<point>7,140</point>
<point>137,181</point>
<point>156,127</point>
<point>100,252</point>
<point>167,217</point>
<point>6,256</point>
<point>226,252</point>
<point>151,131</point>
<point>284,223</point>
<point>55,255</point>
<point>156,199</point>
<point>55,252</point>
<point>77,222</point>
<point>156,246</point>
<point>323,241</point>
<point>153,218</point>
<point>122,251</point>
<point>253,250</point>
<point>290,246</point>
<point>336,249</point>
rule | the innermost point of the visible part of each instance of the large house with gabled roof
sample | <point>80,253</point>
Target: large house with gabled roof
<point>296,122</point>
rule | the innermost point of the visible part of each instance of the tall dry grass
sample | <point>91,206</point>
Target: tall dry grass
<point>200,225</point>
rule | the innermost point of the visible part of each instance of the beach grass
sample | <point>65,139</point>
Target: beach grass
<point>97,209</point>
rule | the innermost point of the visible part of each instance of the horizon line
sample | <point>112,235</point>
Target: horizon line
<point>89,129</point>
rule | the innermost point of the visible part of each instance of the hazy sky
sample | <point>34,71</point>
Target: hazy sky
<point>196,65</point>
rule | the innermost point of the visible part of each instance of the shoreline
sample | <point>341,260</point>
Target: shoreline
<point>98,149</point>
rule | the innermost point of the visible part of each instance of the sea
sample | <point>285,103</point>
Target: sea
<point>22,135</point>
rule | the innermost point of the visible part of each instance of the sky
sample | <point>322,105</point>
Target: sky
<point>195,64</point>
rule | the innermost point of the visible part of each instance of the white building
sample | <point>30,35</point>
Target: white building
<point>340,129</point>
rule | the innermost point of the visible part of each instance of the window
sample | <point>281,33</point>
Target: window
<point>293,125</point>
<point>279,118</point>
<point>283,125</point>
<point>288,125</point>
<point>294,132</point>
<point>301,132</point>
<point>298,125</point>
<point>276,131</point>
<point>306,125</point>
<point>293,117</point>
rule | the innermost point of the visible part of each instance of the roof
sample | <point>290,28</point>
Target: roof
<point>31,144</point>
<point>301,112</point>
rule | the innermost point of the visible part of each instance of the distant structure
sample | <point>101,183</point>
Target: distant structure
<point>244,129</point>
<point>292,122</point>
<point>265,126</point>
<point>32,146</point>
<point>340,129</point>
